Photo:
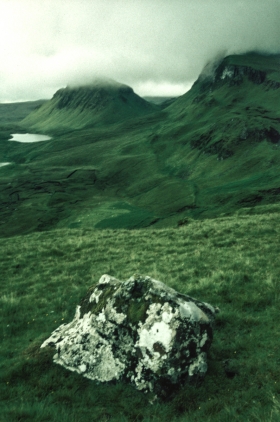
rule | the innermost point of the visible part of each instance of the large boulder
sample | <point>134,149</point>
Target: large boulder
<point>140,331</point>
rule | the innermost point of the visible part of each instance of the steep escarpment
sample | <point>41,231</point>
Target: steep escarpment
<point>223,136</point>
<point>259,69</point>
<point>238,101</point>
<point>236,69</point>
<point>101,103</point>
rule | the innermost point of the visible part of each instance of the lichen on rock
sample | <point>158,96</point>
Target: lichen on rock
<point>140,331</point>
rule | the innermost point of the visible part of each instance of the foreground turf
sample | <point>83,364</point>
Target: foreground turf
<point>232,263</point>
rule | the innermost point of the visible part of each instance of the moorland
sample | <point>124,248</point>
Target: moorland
<point>184,190</point>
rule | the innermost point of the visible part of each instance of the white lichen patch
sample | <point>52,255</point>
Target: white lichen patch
<point>81,347</point>
<point>157,328</point>
<point>160,332</point>
<point>199,365</point>
<point>203,340</point>
<point>82,368</point>
<point>101,316</point>
<point>191,311</point>
<point>156,337</point>
<point>169,341</point>
<point>95,296</point>
<point>112,314</point>
<point>105,279</point>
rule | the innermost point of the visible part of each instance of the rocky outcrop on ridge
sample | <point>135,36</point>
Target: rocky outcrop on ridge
<point>98,96</point>
<point>233,70</point>
<point>139,331</point>
<point>236,74</point>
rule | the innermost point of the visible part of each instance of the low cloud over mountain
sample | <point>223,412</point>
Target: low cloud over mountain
<point>157,47</point>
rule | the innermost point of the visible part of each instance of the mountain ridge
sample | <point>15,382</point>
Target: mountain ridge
<point>101,103</point>
<point>238,79</point>
<point>213,151</point>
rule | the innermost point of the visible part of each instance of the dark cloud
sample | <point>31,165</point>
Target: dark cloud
<point>157,47</point>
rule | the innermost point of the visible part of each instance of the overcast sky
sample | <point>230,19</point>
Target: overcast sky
<point>158,47</point>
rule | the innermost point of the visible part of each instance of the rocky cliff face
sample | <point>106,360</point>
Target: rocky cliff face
<point>236,103</point>
<point>235,74</point>
<point>234,70</point>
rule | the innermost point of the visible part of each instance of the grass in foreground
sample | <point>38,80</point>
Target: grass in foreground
<point>232,263</point>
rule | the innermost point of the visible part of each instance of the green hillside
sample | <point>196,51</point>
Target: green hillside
<point>11,113</point>
<point>223,136</point>
<point>212,151</point>
<point>186,192</point>
<point>102,103</point>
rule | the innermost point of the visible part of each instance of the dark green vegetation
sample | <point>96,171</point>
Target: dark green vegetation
<point>104,103</point>
<point>117,161</point>
<point>11,113</point>
<point>230,262</point>
<point>163,102</point>
<point>201,178</point>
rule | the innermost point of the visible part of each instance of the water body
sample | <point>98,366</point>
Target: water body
<point>29,137</point>
<point>4,164</point>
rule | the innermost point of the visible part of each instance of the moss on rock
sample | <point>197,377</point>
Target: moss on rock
<point>140,331</point>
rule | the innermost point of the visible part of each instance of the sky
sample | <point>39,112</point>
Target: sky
<point>158,47</point>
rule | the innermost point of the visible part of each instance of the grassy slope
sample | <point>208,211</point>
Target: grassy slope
<point>209,153</point>
<point>229,262</point>
<point>97,105</point>
<point>15,112</point>
<point>11,114</point>
<point>216,143</point>
<point>48,180</point>
<point>158,169</point>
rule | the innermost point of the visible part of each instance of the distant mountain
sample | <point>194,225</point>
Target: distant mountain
<point>101,103</point>
<point>11,113</point>
<point>162,101</point>
<point>237,103</point>
<point>224,135</point>
<point>214,150</point>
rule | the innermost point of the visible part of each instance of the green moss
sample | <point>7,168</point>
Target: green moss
<point>107,290</point>
<point>137,311</point>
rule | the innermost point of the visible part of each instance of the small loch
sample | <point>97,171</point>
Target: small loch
<point>29,137</point>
